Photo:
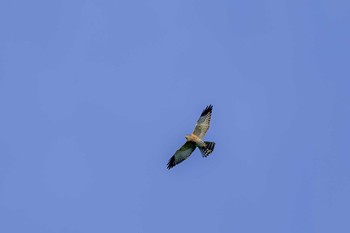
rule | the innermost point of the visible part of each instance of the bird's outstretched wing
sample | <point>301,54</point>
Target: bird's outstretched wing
<point>181,154</point>
<point>203,122</point>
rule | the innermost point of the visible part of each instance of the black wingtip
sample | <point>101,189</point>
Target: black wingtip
<point>208,109</point>
<point>171,163</point>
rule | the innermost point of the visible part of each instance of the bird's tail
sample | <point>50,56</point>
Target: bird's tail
<point>207,149</point>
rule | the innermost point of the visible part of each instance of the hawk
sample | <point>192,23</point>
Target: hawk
<point>195,140</point>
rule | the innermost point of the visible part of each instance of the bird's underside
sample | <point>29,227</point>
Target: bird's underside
<point>195,140</point>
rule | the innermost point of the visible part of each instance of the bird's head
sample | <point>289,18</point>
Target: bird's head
<point>187,137</point>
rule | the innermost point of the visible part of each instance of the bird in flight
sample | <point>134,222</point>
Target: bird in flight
<point>195,140</point>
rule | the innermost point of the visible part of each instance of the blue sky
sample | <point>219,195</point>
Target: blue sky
<point>96,96</point>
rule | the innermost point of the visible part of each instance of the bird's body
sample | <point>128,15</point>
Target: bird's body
<point>195,140</point>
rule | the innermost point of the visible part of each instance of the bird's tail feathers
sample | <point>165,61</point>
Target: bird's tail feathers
<point>207,149</point>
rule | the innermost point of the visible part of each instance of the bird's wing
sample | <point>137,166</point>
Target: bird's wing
<point>203,122</point>
<point>181,154</point>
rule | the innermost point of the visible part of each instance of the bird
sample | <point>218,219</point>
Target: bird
<point>195,140</point>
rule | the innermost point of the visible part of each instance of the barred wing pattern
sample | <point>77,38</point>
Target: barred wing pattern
<point>203,122</point>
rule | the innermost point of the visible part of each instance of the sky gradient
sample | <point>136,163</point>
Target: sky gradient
<point>96,96</point>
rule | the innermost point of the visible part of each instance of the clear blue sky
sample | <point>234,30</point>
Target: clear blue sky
<point>96,96</point>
